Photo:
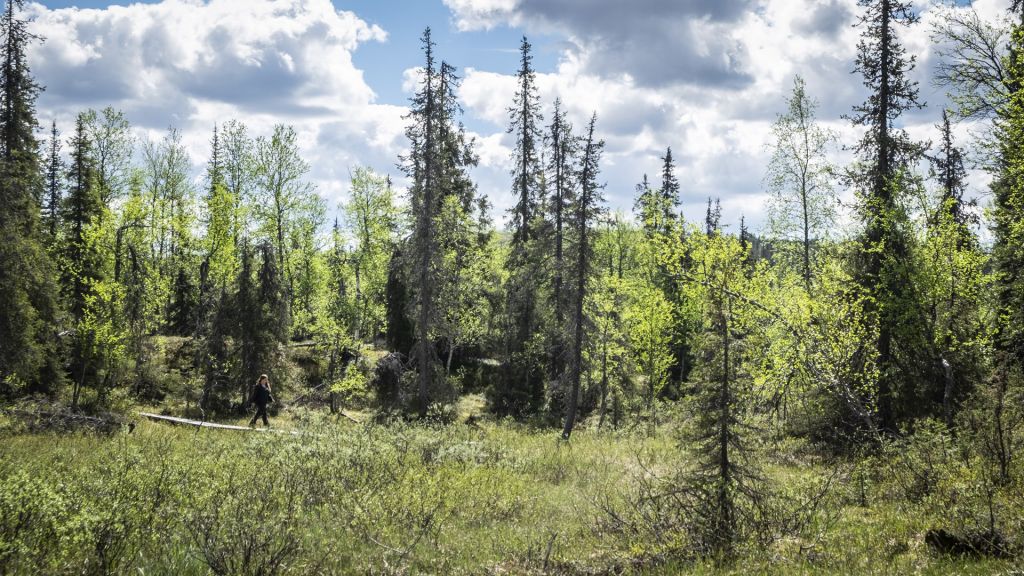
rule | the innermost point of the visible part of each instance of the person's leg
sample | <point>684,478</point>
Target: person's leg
<point>255,416</point>
<point>263,410</point>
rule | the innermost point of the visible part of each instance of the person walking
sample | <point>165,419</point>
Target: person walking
<point>261,396</point>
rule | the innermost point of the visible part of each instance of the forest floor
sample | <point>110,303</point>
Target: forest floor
<point>348,498</point>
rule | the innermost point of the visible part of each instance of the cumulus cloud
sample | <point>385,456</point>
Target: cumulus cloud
<point>654,42</point>
<point>191,64</point>
<point>704,77</point>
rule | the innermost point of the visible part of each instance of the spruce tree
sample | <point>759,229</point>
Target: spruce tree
<point>28,301</point>
<point>248,324</point>
<point>524,123</point>
<point>272,298</point>
<point>83,264</point>
<point>713,217</point>
<point>437,163</point>
<point>728,487</point>
<point>656,208</point>
<point>261,308</point>
<point>400,332</point>
<point>422,167</point>
<point>520,390</point>
<point>647,207</point>
<point>669,192</point>
<point>882,266</point>
<point>54,182</point>
<point>585,213</point>
<point>83,208</point>
<point>564,148</point>
<point>948,167</point>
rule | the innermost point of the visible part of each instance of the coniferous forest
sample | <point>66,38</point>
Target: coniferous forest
<point>576,391</point>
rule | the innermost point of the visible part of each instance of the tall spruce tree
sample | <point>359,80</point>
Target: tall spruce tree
<point>422,167</point>
<point>83,208</point>
<point>248,326</point>
<point>882,266</point>
<point>585,213</point>
<point>564,148</point>
<point>28,300</point>
<point>437,162</point>
<point>521,389</point>
<point>83,262</point>
<point>524,123</point>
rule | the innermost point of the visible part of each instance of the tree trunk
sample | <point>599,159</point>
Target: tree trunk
<point>577,346</point>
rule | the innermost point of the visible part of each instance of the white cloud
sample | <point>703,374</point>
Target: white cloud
<point>706,77</point>
<point>192,64</point>
<point>716,116</point>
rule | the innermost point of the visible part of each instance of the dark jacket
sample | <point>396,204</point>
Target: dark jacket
<point>261,395</point>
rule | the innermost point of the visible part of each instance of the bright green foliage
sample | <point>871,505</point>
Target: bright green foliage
<point>607,352</point>
<point>218,245</point>
<point>649,318</point>
<point>288,211</point>
<point>332,330</point>
<point>167,183</point>
<point>463,296</point>
<point>954,284</point>
<point>371,219</point>
<point>237,171</point>
<point>309,267</point>
<point>112,143</point>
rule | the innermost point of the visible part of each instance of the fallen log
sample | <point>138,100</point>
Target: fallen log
<point>204,424</point>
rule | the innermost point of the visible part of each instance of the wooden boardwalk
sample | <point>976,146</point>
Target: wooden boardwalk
<point>202,424</point>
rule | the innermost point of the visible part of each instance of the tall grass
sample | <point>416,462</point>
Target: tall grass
<point>340,498</point>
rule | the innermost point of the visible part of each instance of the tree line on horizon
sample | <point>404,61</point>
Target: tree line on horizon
<point>589,313</point>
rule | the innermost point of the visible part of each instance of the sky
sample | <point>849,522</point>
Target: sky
<point>704,77</point>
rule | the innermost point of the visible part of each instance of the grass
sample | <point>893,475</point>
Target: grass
<point>344,498</point>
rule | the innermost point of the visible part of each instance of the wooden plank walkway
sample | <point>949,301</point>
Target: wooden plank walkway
<point>201,424</point>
